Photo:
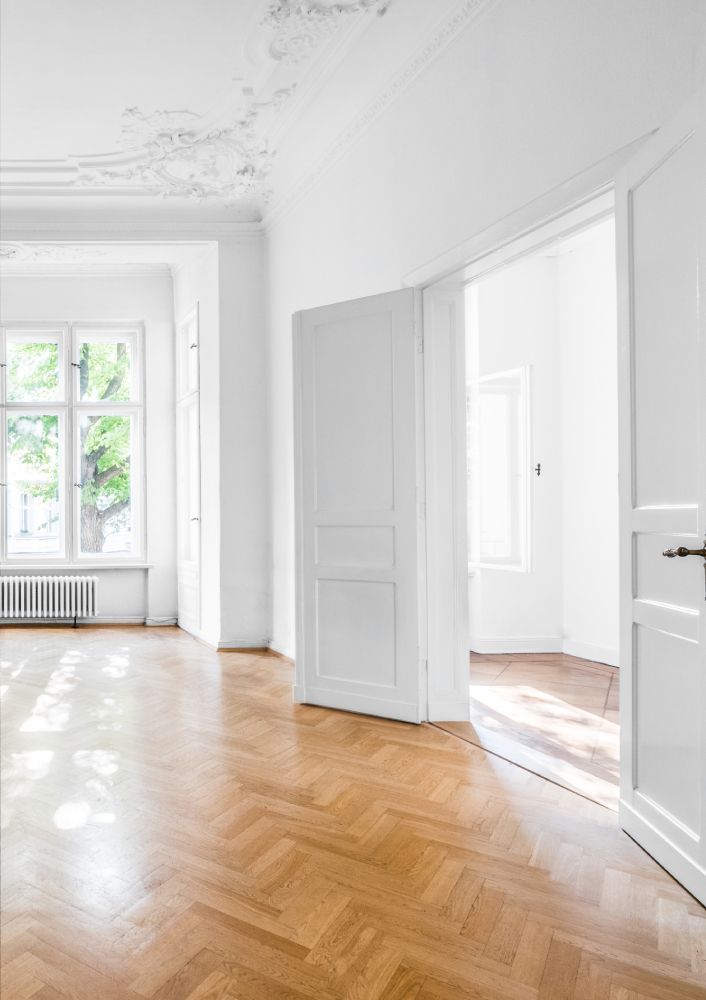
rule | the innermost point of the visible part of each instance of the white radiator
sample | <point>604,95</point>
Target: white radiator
<point>48,596</point>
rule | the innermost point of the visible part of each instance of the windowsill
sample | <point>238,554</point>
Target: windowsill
<point>59,567</point>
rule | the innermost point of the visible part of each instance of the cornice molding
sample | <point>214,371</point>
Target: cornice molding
<point>142,230</point>
<point>86,269</point>
<point>447,31</point>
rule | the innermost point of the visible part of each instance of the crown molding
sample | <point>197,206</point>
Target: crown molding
<point>142,230</point>
<point>446,32</point>
<point>85,269</point>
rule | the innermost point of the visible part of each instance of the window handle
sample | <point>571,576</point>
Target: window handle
<point>79,486</point>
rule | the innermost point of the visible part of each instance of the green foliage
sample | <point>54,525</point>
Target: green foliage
<point>104,375</point>
<point>35,441</point>
<point>32,371</point>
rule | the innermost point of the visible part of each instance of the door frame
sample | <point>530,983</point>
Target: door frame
<point>583,199</point>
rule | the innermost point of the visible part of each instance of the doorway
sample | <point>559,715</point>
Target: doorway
<point>542,489</point>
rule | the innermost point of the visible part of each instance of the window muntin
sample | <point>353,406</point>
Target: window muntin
<point>71,443</point>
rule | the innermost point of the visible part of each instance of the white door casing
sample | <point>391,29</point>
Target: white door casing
<point>661,231</point>
<point>188,438</point>
<point>359,527</point>
<point>445,454</point>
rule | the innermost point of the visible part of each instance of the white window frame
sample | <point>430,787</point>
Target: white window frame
<point>69,409</point>
<point>519,561</point>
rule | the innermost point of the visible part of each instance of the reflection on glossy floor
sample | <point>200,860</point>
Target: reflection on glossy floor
<point>176,828</point>
<point>553,713</point>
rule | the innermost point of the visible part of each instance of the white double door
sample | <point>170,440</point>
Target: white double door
<point>361,538</point>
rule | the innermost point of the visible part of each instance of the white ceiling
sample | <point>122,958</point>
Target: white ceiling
<point>199,111</point>
<point>183,99</point>
<point>70,69</point>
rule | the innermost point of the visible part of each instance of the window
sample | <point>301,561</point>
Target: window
<point>498,458</point>
<point>71,433</point>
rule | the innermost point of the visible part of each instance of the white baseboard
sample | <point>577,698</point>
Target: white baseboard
<point>160,621</point>
<point>588,651</point>
<point>226,644</point>
<point>282,649</point>
<point>448,709</point>
<point>516,644</point>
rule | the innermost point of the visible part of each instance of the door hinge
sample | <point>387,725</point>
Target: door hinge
<point>420,341</point>
<point>422,510</point>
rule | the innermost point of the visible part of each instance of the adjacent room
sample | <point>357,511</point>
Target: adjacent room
<point>542,438</point>
<point>353,500</point>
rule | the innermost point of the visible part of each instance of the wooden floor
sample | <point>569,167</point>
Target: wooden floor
<point>176,828</point>
<point>553,713</point>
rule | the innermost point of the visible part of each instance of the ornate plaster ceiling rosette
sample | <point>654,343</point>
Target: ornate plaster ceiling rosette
<point>222,155</point>
<point>300,26</point>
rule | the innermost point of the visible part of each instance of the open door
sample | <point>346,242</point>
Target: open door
<point>661,225</point>
<point>357,377</point>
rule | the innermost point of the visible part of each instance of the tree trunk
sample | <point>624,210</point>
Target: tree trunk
<point>92,535</point>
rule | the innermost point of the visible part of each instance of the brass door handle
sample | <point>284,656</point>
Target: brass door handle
<point>681,551</point>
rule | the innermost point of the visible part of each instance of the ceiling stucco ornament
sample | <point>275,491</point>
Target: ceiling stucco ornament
<point>10,251</point>
<point>300,26</point>
<point>49,253</point>
<point>183,154</point>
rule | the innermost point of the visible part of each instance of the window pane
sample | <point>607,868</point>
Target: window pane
<point>33,372</point>
<point>33,464</point>
<point>106,503</point>
<point>105,369</point>
<point>497,461</point>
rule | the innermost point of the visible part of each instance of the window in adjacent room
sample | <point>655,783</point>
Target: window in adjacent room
<point>498,488</point>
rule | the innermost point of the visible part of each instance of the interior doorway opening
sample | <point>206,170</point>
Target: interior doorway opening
<point>542,491</point>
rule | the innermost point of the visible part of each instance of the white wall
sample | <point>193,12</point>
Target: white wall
<point>589,361</point>
<point>130,594</point>
<point>521,101</point>
<point>517,326</point>
<point>227,282</point>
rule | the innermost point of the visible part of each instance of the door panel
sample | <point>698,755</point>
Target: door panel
<point>357,479</point>
<point>661,226</point>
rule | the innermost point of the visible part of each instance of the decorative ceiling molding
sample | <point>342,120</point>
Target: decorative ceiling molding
<point>446,32</point>
<point>86,269</point>
<point>300,26</point>
<point>225,154</point>
<point>48,253</point>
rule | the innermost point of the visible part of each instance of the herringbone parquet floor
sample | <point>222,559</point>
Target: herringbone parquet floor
<point>174,827</point>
